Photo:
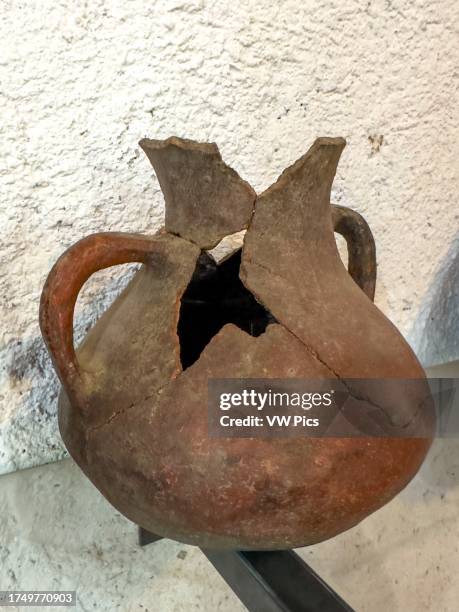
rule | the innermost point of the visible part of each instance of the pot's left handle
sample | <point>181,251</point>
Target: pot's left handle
<point>61,289</point>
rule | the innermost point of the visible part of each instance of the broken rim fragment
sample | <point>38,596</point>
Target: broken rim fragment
<point>206,200</point>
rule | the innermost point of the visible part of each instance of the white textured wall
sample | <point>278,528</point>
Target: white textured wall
<point>82,82</point>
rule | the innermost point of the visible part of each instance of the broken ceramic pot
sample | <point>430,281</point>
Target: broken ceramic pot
<point>133,410</point>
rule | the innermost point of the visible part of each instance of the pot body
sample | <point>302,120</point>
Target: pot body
<point>133,411</point>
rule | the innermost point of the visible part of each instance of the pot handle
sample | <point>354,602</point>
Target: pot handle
<point>68,275</point>
<point>360,245</point>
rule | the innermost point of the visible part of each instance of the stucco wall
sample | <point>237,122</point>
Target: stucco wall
<point>82,82</point>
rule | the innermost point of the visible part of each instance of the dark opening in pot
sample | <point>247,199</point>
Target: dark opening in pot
<point>214,297</point>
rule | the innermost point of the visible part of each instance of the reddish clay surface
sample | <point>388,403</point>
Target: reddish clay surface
<point>136,422</point>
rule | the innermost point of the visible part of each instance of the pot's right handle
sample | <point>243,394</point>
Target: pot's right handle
<point>360,245</point>
<point>61,289</point>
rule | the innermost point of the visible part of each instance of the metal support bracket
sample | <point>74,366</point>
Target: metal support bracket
<point>270,581</point>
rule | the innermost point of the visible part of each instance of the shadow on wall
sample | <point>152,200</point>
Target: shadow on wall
<point>28,427</point>
<point>435,332</point>
<point>29,433</point>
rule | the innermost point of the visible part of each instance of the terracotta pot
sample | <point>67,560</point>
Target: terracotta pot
<point>133,410</point>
